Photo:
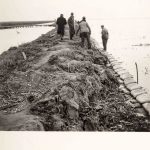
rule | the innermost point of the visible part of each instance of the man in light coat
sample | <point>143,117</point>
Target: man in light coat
<point>85,32</point>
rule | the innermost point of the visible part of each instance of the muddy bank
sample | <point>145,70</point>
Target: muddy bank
<point>59,86</point>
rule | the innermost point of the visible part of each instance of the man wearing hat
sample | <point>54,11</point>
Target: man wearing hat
<point>85,32</point>
<point>71,26</point>
<point>104,37</point>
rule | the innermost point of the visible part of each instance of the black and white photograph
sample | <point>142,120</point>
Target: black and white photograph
<point>74,65</point>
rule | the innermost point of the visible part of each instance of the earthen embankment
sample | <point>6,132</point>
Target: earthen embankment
<point>55,85</point>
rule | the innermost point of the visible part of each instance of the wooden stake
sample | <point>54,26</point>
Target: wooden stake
<point>137,73</point>
<point>24,56</point>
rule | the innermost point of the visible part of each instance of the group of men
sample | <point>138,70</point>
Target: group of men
<point>83,28</point>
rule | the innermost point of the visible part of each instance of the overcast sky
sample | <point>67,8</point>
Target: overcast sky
<point>11,10</point>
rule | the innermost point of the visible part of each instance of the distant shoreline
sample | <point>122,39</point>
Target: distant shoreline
<point>17,24</point>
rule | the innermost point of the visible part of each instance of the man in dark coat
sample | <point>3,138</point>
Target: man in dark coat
<point>61,22</point>
<point>104,37</point>
<point>71,26</point>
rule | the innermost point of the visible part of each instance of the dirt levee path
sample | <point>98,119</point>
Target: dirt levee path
<point>60,86</point>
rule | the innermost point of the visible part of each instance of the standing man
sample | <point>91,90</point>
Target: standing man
<point>61,22</point>
<point>104,37</point>
<point>85,32</point>
<point>71,26</point>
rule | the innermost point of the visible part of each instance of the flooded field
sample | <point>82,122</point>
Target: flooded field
<point>18,36</point>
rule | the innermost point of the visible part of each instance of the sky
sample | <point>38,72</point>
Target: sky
<point>27,10</point>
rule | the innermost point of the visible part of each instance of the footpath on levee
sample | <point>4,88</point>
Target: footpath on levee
<point>55,85</point>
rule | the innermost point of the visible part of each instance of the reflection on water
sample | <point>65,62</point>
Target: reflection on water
<point>124,34</point>
<point>17,36</point>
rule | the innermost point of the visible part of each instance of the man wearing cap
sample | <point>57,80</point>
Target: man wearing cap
<point>85,32</point>
<point>104,37</point>
<point>71,26</point>
<point>61,22</point>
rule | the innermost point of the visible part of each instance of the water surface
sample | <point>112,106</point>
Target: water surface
<point>129,41</point>
<point>18,36</point>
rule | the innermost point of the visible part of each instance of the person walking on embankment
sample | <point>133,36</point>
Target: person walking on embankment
<point>105,36</point>
<point>61,22</point>
<point>85,32</point>
<point>71,26</point>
